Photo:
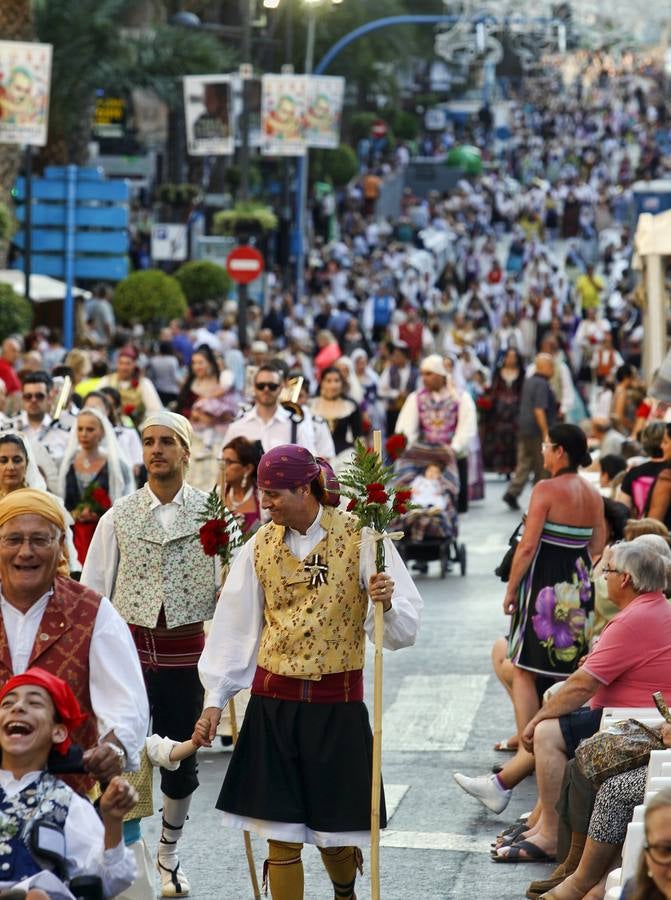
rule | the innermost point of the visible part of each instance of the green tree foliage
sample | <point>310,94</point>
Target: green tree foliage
<point>339,166</point>
<point>202,280</point>
<point>16,313</point>
<point>92,51</point>
<point>6,222</point>
<point>253,216</point>
<point>149,297</point>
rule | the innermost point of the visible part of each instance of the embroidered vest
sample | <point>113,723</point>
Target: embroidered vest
<point>62,647</point>
<point>161,567</point>
<point>48,799</point>
<point>312,631</point>
<point>438,416</point>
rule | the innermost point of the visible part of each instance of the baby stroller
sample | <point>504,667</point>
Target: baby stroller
<point>431,532</point>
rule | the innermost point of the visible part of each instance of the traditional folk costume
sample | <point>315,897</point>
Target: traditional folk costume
<point>146,556</point>
<point>74,631</point>
<point>435,420</point>
<point>291,622</point>
<point>39,796</point>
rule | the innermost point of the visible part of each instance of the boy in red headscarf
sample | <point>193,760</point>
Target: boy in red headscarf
<point>39,812</point>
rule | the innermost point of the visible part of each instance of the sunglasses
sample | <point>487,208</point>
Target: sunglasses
<point>266,386</point>
<point>34,396</point>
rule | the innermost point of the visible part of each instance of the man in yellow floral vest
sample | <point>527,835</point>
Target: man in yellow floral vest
<point>145,557</point>
<point>291,623</point>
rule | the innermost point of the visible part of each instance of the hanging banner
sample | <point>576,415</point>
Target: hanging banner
<point>208,111</point>
<point>25,76</point>
<point>283,107</point>
<point>324,110</point>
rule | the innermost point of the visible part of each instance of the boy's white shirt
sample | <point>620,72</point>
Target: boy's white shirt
<point>84,842</point>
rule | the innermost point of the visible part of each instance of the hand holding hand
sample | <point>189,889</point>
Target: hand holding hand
<point>118,799</point>
<point>380,589</point>
<point>103,762</point>
<point>205,729</point>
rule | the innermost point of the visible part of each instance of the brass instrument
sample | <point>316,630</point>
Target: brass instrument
<point>289,398</point>
<point>62,399</point>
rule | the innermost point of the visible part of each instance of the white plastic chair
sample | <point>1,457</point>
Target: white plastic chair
<point>631,851</point>
<point>658,758</point>
<point>614,879</point>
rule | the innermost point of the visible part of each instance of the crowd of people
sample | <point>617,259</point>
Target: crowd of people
<point>496,328</point>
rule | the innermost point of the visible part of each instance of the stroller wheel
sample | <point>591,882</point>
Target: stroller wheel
<point>461,553</point>
<point>444,561</point>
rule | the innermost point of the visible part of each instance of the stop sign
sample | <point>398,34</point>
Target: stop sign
<point>244,264</point>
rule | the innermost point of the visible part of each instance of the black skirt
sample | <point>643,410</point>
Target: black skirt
<point>309,763</point>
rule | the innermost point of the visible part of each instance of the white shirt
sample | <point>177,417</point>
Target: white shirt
<point>272,433</point>
<point>116,686</point>
<point>51,436</point>
<point>409,425</point>
<point>102,559</point>
<point>84,843</point>
<point>228,662</point>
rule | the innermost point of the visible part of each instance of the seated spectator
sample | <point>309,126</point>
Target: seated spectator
<point>630,662</point>
<point>652,881</point>
<point>636,485</point>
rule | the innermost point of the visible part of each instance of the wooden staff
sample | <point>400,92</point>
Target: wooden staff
<point>246,834</point>
<point>377,735</point>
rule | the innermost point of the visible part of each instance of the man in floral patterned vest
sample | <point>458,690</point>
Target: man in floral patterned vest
<point>291,622</point>
<point>145,555</point>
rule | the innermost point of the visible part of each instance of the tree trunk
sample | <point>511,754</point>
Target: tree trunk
<point>16,24</point>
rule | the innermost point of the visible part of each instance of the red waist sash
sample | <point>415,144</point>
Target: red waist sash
<point>342,687</point>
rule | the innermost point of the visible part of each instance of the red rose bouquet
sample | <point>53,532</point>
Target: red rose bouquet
<point>94,502</point>
<point>374,500</point>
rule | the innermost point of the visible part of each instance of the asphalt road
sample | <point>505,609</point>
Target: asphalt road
<point>443,711</point>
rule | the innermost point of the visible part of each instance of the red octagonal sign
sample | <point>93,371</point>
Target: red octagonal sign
<point>244,264</point>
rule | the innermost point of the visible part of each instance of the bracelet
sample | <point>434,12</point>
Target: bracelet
<point>120,752</point>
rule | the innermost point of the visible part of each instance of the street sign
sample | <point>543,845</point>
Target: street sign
<point>169,242</point>
<point>244,264</point>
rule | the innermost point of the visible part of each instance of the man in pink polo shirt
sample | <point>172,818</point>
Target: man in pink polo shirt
<point>630,662</point>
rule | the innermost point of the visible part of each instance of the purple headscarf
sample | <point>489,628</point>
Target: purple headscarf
<point>286,466</point>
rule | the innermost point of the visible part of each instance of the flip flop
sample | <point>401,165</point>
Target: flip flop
<point>504,747</point>
<point>510,828</point>
<point>514,854</point>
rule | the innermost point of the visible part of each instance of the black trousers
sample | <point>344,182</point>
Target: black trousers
<point>175,703</point>
<point>462,500</point>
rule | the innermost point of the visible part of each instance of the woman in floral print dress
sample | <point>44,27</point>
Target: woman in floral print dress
<point>549,593</point>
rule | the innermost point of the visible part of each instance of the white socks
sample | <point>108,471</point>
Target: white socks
<point>174,817</point>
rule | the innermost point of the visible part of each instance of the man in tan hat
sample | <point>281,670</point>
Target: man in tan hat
<point>436,417</point>
<point>145,555</point>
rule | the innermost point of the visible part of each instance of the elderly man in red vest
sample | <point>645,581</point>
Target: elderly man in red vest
<point>52,622</point>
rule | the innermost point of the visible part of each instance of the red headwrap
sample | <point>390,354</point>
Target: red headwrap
<point>67,708</point>
<point>286,466</point>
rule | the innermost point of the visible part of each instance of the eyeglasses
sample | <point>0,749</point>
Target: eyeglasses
<point>228,462</point>
<point>266,386</point>
<point>607,571</point>
<point>35,396</point>
<point>659,853</point>
<point>34,541</point>
<point>548,445</point>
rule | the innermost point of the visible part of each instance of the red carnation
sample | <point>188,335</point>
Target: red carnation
<point>101,497</point>
<point>401,502</point>
<point>129,409</point>
<point>377,497</point>
<point>213,536</point>
<point>484,403</point>
<point>395,445</point>
<point>351,506</point>
<point>374,486</point>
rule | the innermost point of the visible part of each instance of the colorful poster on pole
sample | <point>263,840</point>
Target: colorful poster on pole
<point>253,97</point>
<point>208,111</point>
<point>324,110</point>
<point>283,106</point>
<point>25,76</point>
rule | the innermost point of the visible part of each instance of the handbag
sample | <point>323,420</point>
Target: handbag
<point>504,567</point>
<point>624,746</point>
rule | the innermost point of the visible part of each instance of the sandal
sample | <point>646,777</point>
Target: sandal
<point>515,851</point>
<point>505,747</point>
<point>510,835</point>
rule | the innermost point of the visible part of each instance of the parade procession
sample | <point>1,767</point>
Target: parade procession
<point>335,450</point>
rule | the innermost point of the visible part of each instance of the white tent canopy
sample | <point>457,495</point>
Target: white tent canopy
<point>42,287</point>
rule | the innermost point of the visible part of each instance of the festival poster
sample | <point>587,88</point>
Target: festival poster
<point>25,77</point>
<point>208,112</point>
<point>283,103</point>
<point>325,97</point>
<point>253,97</point>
